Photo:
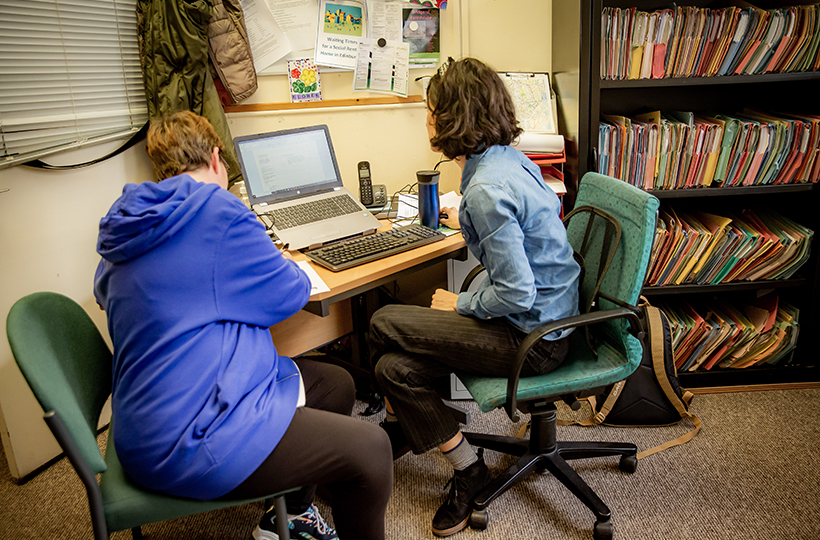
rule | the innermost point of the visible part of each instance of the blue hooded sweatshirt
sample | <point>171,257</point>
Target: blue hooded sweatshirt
<point>191,283</point>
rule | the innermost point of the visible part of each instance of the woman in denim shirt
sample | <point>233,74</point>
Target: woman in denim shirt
<point>510,221</point>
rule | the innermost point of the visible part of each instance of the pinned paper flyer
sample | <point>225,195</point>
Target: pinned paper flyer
<point>382,66</point>
<point>342,24</point>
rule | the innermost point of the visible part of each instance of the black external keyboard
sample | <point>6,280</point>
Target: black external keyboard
<point>362,250</point>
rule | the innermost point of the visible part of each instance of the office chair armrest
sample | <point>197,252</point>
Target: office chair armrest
<point>470,277</point>
<point>536,335</point>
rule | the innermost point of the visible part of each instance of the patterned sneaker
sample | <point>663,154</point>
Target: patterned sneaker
<point>307,526</point>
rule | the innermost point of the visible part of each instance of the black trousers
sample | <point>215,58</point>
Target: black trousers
<point>415,345</point>
<point>325,446</point>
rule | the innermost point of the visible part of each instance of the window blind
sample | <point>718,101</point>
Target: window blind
<point>69,75</point>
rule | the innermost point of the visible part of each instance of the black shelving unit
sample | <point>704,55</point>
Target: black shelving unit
<point>583,96</point>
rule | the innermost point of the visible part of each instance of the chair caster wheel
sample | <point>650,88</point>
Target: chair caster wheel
<point>602,530</point>
<point>628,463</point>
<point>479,519</point>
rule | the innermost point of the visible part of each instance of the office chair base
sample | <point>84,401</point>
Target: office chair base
<point>602,530</point>
<point>543,453</point>
<point>479,519</point>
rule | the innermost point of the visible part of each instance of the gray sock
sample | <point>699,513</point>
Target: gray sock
<point>462,456</point>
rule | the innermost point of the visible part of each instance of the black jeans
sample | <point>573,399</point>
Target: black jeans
<point>325,446</point>
<point>416,345</point>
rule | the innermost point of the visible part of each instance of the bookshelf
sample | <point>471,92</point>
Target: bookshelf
<point>583,96</point>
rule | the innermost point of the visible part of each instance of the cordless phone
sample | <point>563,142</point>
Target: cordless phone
<point>365,183</point>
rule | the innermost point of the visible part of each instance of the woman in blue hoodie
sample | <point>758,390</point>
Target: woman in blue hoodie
<point>203,406</point>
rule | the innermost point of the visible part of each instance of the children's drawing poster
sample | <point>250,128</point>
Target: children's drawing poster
<point>342,24</point>
<point>303,78</point>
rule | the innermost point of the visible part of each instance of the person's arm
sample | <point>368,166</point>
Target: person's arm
<point>492,215</point>
<point>254,282</point>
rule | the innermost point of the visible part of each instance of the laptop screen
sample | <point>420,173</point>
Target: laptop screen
<point>286,164</point>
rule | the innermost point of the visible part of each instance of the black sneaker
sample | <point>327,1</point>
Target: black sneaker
<point>307,526</point>
<point>398,442</point>
<point>452,516</point>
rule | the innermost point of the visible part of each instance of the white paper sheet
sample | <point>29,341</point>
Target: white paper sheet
<point>297,19</point>
<point>543,143</point>
<point>385,20</point>
<point>382,66</point>
<point>268,41</point>
<point>317,285</point>
<point>337,41</point>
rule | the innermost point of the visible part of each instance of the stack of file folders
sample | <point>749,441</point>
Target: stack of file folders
<point>686,41</point>
<point>706,249</point>
<point>678,150</point>
<point>724,335</point>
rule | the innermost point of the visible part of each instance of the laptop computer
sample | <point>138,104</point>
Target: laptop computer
<point>292,177</point>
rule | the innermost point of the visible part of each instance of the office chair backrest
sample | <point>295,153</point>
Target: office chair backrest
<point>635,210</point>
<point>594,245</point>
<point>66,363</point>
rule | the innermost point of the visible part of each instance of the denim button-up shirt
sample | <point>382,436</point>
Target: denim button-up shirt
<point>510,221</point>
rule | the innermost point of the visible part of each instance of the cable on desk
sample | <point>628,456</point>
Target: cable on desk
<point>408,189</point>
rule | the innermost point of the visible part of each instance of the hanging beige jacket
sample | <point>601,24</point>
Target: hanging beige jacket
<point>230,50</point>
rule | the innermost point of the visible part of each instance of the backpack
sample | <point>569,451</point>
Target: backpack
<point>651,396</point>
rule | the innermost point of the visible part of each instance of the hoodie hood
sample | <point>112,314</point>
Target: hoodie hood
<point>148,214</point>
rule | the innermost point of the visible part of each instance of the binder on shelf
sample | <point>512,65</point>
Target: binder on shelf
<point>714,20</point>
<point>705,335</point>
<point>717,227</point>
<point>640,33</point>
<point>666,23</point>
<point>691,41</point>
<point>727,30</point>
<point>702,239</point>
<point>714,140</point>
<point>753,39</point>
<point>750,39</point>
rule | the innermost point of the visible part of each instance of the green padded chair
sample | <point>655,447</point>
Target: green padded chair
<point>68,367</point>
<point>611,230</point>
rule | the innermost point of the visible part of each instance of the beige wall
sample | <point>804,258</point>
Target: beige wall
<point>48,232</point>
<point>48,220</point>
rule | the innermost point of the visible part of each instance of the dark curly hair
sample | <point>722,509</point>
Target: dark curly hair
<point>472,109</point>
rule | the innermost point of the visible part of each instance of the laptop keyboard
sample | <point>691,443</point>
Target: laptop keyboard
<point>362,250</point>
<point>310,212</point>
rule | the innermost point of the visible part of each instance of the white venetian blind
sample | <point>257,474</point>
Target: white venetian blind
<point>69,75</point>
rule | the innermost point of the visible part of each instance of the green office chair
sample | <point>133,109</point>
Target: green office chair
<point>611,231</point>
<point>68,367</point>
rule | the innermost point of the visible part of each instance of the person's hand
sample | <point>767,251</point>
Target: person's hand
<point>286,254</point>
<point>452,217</point>
<point>444,300</point>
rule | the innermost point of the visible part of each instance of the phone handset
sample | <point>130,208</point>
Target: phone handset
<point>365,183</point>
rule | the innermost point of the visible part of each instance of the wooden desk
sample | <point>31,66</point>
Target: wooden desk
<point>330,315</point>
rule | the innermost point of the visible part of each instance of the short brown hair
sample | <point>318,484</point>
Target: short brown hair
<point>181,142</point>
<point>472,109</point>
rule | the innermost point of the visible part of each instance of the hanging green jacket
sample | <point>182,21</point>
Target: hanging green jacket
<point>173,43</point>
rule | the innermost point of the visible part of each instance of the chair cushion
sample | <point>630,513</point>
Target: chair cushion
<point>128,505</point>
<point>582,371</point>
